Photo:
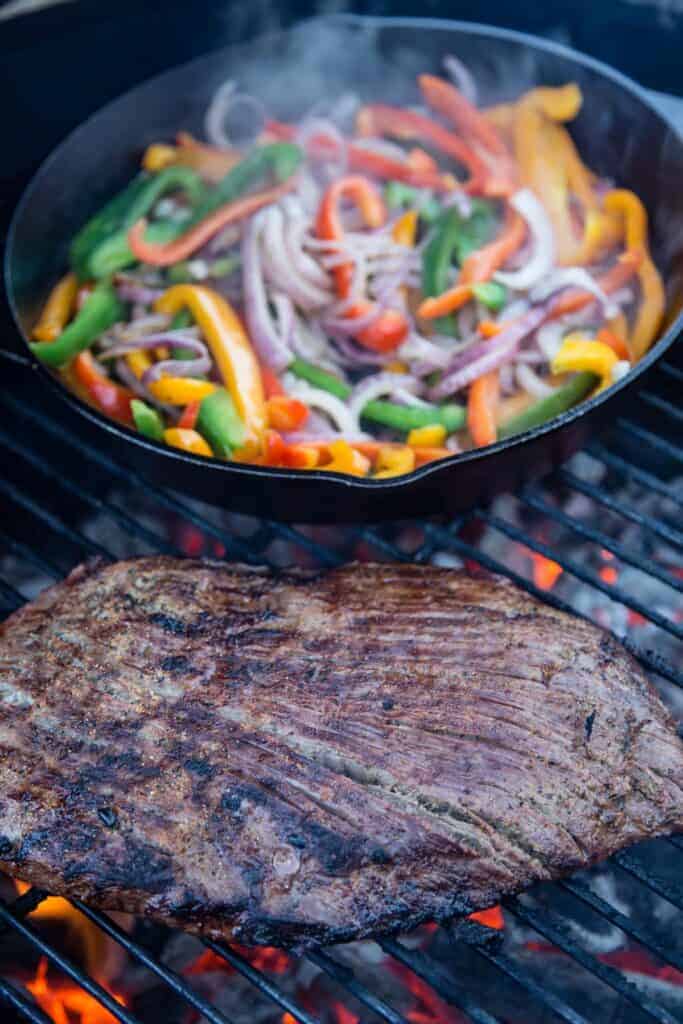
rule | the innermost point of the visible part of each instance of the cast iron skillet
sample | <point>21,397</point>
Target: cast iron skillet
<point>619,134</point>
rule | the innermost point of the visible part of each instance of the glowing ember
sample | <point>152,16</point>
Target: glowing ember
<point>263,958</point>
<point>492,918</point>
<point>631,960</point>
<point>429,1008</point>
<point>545,572</point>
<point>608,574</point>
<point>66,1003</point>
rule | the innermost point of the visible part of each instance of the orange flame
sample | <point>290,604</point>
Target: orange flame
<point>66,1003</point>
<point>342,1016</point>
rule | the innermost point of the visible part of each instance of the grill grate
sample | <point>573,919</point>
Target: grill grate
<point>615,507</point>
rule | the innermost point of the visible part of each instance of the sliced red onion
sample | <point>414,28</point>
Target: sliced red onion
<point>308,191</point>
<point>423,353</point>
<point>178,368</point>
<point>356,357</point>
<point>298,225</point>
<point>461,77</point>
<point>460,200</point>
<point>310,130</point>
<point>323,401</point>
<point>130,292</point>
<point>506,378</point>
<point>531,382</point>
<point>225,239</point>
<point>272,349</point>
<point>141,326</point>
<point>351,325</point>
<point>549,338</point>
<point>277,265</point>
<point>310,341</point>
<point>531,357</point>
<point>488,355</point>
<point>383,147</point>
<point>225,101</point>
<point>572,277</point>
<point>543,243</point>
<point>378,385</point>
<point>129,380</point>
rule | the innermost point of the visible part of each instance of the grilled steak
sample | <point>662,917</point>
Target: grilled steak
<point>305,759</point>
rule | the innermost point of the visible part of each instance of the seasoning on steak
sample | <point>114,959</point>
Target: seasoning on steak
<point>299,760</point>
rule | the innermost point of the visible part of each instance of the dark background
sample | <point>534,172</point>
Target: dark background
<point>59,64</point>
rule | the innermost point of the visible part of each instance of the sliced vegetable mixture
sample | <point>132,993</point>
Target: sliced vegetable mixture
<point>363,292</point>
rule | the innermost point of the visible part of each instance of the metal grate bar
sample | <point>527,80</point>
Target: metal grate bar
<point>547,925</point>
<point>10,596</point>
<point>662,405</point>
<point>325,555</point>
<point>626,924</point>
<point>648,659</point>
<point>135,481</point>
<point>642,519</point>
<point>29,555</point>
<point>124,520</point>
<point>665,889</point>
<point>26,1007</point>
<point>534,500</point>
<point>613,592</point>
<point>173,980</point>
<point>90,986</point>
<point>654,439</point>
<point>55,524</point>
<point>262,983</point>
<point>345,976</point>
<point>516,973</point>
<point>676,841</point>
<point>631,472</point>
<point>671,371</point>
<point>434,975</point>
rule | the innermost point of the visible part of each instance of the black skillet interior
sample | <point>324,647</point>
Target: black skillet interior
<point>618,132</point>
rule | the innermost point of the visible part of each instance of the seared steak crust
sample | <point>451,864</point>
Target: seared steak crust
<point>304,759</point>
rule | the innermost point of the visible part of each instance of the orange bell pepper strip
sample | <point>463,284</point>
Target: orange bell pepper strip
<point>482,403</point>
<point>208,161</point>
<point>165,253</point>
<point>390,328</point>
<point>405,229</point>
<point>111,398</point>
<point>285,413</point>
<point>614,341</point>
<point>271,382</point>
<point>57,310</point>
<point>231,349</point>
<point>445,99</point>
<point>187,441</point>
<point>612,280</point>
<point>381,119</point>
<point>630,209</point>
<point>480,266</point>
<point>489,328</point>
<point>345,459</point>
<point>365,161</point>
<point>188,420</point>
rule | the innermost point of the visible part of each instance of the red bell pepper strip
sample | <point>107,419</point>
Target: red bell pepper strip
<point>381,119</point>
<point>292,456</point>
<point>286,413</point>
<point>482,403</point>
<point>188,419</point>
<point>391,326</point>
<point>272,385</point>
<point>444,98</point>
<point>365,161</point>
<point>163,255</point>
<point>108,396</point>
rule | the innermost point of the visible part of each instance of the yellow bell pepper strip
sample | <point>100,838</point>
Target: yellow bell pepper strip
<point>579,354</point>
<point>477,268</point>
<point>139,362</point>
<point>57,309</point>
<point>187,441</point>
<point>628,206</point>
<point>432,436</point>
<point>111,398</point>
<point>180,390</point>
<point>163,254</point>
<point>381,119</point>
<point>345,459</point>
<point>390,327</point>
<point>394,462</point>
<point>482,403</point>
<point>158,156</point>
<point>405,229</point>
<point>230,347</point>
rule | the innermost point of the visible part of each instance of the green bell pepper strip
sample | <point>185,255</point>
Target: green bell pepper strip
<point>121,212</point>
<point>282,158</point>
<point>551,406</point>
<point>147,420</point>
<point>100,310</point>
<point>114,253</point>
<point>180,273</point>
<point>398,195</point>
<point>220,423</point>
<point>491,294</point>
<point>389,414</point>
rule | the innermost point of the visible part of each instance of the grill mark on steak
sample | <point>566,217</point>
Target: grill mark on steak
<point>311,758</point>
